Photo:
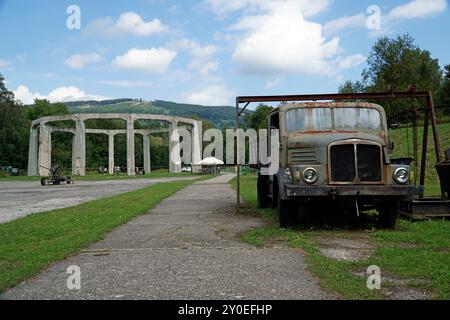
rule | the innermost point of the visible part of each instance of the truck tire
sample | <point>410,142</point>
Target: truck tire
<point>388,214</point>
<point>43,182</point>
<point>263,200</point>
<point>304,217</point>
<point>287,213</point>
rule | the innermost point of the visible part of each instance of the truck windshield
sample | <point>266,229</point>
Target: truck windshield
<point>321,119</point>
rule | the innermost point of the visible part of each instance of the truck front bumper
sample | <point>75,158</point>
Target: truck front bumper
<point>293,190</point>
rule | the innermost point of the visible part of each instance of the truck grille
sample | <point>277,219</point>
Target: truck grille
<point>345,167</point>
<point>302,155</point>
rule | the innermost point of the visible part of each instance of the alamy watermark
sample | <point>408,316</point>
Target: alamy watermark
<point>262,149</point>
<point>373,277</point>
<point>73,21</point>
<point>74,280</point>
<point>373,21</point>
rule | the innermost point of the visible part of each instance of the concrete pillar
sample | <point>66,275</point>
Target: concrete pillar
<point>79,149</point>
<point>45,150</point>
<point>174,147</point>
<point>197,142</point>
<point>33,152</point>
<point>146,152</point>
<point>74,162</point>
<point>130,147</point>
<point>111,153</point>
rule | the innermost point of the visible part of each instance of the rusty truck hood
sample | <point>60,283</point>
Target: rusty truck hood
<point>324,138</point>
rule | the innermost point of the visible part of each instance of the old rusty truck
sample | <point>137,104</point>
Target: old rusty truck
<point>335,156</point>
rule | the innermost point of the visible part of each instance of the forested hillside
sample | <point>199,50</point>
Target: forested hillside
<point>220,116</point>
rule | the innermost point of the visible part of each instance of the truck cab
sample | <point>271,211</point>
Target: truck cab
<point>335,154</point>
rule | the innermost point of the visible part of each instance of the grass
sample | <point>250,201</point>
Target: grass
<point>30,244</point>
<point>416,251</point>
<point>425,258</point>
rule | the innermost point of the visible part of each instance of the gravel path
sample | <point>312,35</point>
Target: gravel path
<point>185,248</point>
<point>21,198</point>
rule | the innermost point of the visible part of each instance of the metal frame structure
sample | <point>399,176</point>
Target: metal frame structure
<point>430,115</point>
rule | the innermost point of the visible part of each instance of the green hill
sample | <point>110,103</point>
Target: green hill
<point>221,116</point>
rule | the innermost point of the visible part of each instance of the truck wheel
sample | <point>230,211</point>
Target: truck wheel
<point>263,199</point>
<point>287,213</point>
<point>388,214</point>
<point>42,181</point>
<point>304,216</point>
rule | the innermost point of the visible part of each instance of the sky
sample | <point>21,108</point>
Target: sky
<point>202,52</point>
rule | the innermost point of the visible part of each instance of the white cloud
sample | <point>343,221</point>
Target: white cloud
<point>4,63</point>
<point>61,94</point>
<point>154,60</point>
<point>221,7</point>
<point>273,83</point>
<point>212,95</point>
<point>204,68</point>
<point>335,26</point>
<point>127,23</point>
<point>79,61</point>
<point>129,84</point>
<point>23,94</point>
<point>203,58</point>
<point>281,40</point>
<point>308,7</point>
<point>417,9</point>
<point>349,62</point>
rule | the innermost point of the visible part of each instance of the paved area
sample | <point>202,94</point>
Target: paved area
<point>185,248</point>
<point>21,198</point>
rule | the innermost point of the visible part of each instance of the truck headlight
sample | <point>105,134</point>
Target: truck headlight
<point>310,175</point>
<point>401,175</point>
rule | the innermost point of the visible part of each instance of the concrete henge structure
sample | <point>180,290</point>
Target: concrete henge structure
<point>39,158</point>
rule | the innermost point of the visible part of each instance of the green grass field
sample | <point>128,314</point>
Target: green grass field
<point>417,252</point>
<point>30,244</point>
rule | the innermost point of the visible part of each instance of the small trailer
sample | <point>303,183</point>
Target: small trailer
<point>429,207</point>
<point>56,178</point>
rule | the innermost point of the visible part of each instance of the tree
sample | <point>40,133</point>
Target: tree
<point>5,95</point>
<point>445,90</point>
<point>43,108</point>
<point>258,119</point>
<point>13,130</point>
<point>352,87</point>
<point>398,63</point>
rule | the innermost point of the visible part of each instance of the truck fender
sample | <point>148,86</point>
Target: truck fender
<point>280,179</point>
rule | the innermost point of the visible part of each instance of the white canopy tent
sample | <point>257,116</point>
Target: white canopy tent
<point>211,161</point>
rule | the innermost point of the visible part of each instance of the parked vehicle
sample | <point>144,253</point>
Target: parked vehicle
<point>56,178</point>
<point>335,155</point>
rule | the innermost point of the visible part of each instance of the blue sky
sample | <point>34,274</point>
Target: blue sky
<point>204,51</point>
